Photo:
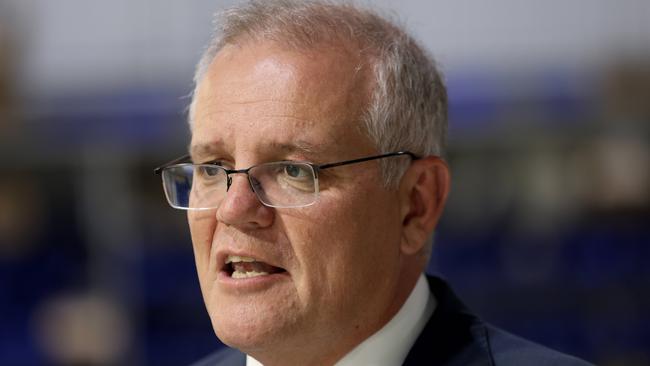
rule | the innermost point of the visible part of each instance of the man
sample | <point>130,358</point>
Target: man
<point>313,185</point>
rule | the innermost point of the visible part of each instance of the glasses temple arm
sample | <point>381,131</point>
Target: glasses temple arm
<point>175,161</point>
<point>346,162</point>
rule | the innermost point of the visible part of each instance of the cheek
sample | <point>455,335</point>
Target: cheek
<point>340,246</point>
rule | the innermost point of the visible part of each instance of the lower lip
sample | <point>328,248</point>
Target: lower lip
<point>252,283</point>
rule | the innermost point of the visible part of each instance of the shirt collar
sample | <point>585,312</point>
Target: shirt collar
<point>390,344</point>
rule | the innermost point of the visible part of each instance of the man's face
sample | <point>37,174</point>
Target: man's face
<point>335,265</point>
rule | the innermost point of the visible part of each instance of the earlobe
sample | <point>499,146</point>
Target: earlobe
<point>423,193</point>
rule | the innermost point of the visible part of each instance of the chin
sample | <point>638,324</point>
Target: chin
<point>256,335</point>
<point>252,325</point>
<point>238,338</point>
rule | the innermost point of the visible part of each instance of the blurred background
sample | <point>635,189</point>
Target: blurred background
<point>546,232</point>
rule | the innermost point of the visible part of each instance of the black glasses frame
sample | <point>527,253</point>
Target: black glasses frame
<point>317,167</point>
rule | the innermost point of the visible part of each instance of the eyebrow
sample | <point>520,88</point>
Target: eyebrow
<point>299,146</point>
<point>203,149</point>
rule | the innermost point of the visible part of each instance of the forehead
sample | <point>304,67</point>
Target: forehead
<point>261,95</point>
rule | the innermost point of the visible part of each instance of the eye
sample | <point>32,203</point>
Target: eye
<point>209,171</point>
<point>296,171</point>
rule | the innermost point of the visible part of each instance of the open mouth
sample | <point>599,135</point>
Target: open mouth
<point>246,267</point>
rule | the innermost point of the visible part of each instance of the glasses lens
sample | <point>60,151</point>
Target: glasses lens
<point>189,186</point>
<point>285,184</point>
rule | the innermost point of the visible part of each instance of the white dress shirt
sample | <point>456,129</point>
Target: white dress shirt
<point>390,344</point>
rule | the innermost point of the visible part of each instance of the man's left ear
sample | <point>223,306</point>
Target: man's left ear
<point>423,192</point>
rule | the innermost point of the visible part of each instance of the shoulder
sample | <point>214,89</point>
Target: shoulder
<point>454,336</point>
<point>508,349</point>
<point>223,357</point>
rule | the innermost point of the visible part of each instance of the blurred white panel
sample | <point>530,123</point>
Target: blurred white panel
<point>70,45</point>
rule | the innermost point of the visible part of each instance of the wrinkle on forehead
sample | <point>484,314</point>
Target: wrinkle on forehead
<point>275,109</point>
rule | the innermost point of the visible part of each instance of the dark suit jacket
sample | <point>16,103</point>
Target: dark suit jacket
<point>453,336</point>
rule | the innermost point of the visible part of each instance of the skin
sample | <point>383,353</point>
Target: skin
<point>353,257</point>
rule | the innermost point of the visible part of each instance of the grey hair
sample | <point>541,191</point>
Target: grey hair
<point>407,109</point>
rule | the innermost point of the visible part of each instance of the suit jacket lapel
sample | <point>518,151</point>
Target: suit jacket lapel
<point>453,336</point>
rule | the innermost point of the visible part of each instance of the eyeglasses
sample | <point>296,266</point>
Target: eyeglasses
<point>281,184</point>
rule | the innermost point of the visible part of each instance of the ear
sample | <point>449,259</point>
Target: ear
<point>423,192</point>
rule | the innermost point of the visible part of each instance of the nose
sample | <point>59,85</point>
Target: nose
<point>241,207</point>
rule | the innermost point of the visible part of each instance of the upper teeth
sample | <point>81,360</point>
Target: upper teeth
<point>237,259</point>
